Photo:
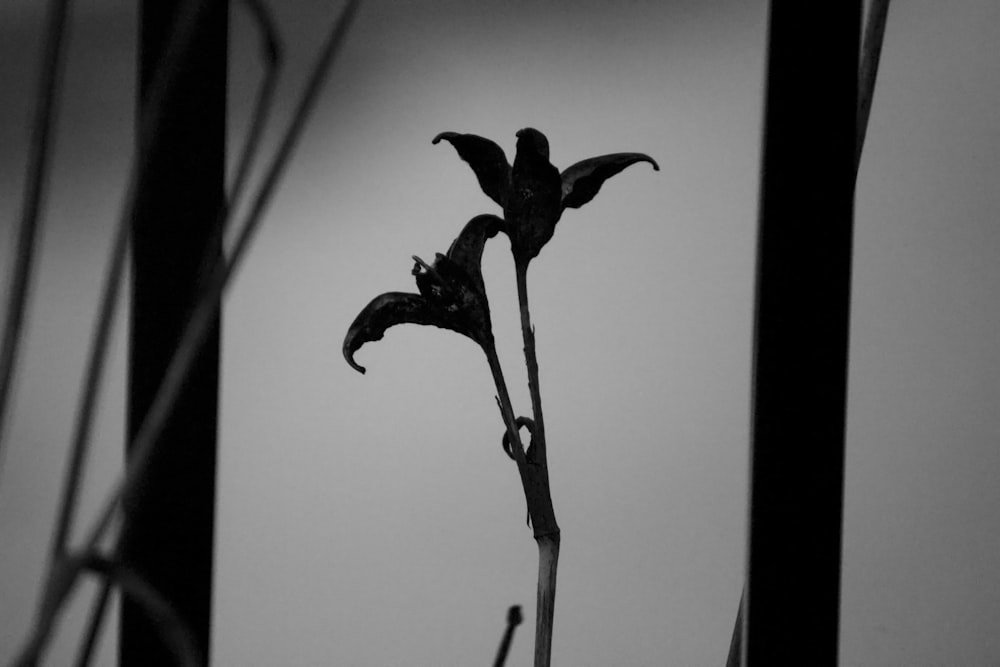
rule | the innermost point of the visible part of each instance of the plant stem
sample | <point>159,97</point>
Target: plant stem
<point>548,561</point>
<point>547,533</point>
<point>503,398</point>
<point>39,152</point>
<point>531,361</point>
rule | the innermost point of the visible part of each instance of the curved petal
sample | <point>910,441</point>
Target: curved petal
<point>584,179</point>
<point>467,249</point>
<point>534,205</point>
<point>487,160</point>
<point>384,311</point>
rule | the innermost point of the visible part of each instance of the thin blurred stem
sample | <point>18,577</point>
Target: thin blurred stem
<point>548,536</point>
<point>736,642</point>
<point>514,619</point>
<point>175,634</point>
<point>95,623</point>
<point>39,152</point>
<point>271,54</point>
<point>871,52</point>
<point>503,399</point>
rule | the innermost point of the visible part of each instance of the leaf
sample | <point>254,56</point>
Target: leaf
<point>384,311</point>
<point>487,160</point>
<point>582,181</point>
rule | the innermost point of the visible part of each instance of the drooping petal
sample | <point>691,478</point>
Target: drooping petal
<point>584,179</point>
<point>384,311</point>
<point>467,249</point>
<point>534,205</point>
<point>487,160</point>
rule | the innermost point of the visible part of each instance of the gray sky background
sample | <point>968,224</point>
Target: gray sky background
<point>374,520</point>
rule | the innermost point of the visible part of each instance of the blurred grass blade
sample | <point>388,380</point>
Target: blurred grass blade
<point>271,55</point>
<point>39,152</point>
<point>148,122</point>
<point>175,634</point>
<point>871,52</point>
<point>180,41</point>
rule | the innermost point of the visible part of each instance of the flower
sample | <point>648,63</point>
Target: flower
<point>451,295</point>
<point>533,193</point>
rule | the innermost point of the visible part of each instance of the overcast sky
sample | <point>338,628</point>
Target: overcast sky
<point>374,520</point>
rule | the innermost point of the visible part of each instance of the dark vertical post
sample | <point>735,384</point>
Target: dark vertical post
<point>169,535</point>
<point>801,336</point>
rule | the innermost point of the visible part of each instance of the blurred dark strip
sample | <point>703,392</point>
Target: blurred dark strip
<point>801,334</point>
<point>170,528</point>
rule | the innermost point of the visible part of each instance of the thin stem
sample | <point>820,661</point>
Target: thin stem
<point>514,619</point>
<point>176,635</point>
<point>531,362</point>
<point>34,190</point>
<point>736,642</point>
<point>95,624</point>
<point>503,399</point>
<point>871,52</point>
<point>547,537</point>
<point>548,562</point>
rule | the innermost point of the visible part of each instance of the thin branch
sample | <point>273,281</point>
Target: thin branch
<point>871,52</point>
<point>531,362</point>
<point>514,619</point>
<point>95,623</point>
<point>175,634</point>
<point>39,152</point>
<point>506,408</point>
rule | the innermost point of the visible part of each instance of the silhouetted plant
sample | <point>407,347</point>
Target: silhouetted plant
<point>452,295</point>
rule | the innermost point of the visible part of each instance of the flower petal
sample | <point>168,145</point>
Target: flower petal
<point>584,179</point>
<point>384,311</point>
<point>535,202</point>
<point>487,160</point>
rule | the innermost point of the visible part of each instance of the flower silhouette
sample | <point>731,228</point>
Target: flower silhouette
<point>451,295</point>
<point>533,193</point>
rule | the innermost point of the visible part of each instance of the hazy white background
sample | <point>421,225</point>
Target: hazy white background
<point>374,520</point>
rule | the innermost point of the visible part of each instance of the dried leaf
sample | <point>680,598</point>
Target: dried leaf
<point>487,160</point>
<point>583,180</point>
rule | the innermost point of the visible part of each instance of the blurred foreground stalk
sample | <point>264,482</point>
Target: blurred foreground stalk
<point>169,530</point>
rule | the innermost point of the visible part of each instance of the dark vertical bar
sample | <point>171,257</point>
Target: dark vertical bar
<point>801,336</point>
<point>169,537</point>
